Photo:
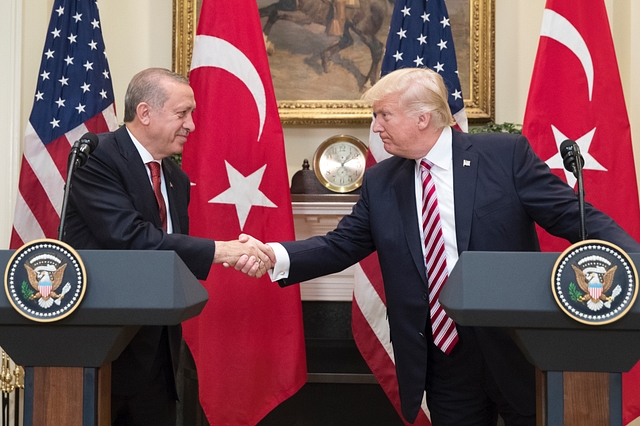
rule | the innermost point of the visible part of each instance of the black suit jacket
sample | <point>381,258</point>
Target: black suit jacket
<point>112,206</point>
<point>501,189</point>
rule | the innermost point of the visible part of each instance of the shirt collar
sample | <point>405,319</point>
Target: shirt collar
<point>144,154</point>
<point>441,152</point>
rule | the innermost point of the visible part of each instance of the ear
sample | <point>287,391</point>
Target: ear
<point>143,112</point>
<point>424,120</point>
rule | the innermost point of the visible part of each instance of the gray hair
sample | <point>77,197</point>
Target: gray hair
<point>146,86</point>
<point>418,90</point>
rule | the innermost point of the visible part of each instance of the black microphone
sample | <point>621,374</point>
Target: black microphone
<point>570,152</point>
<point>573,162</point>
<point>81,150</point>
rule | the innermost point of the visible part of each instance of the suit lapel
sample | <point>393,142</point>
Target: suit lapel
<point>404,186</point>
<point>168,180</point>
<point>465,173</point>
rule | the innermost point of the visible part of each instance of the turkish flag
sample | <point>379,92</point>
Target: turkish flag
<point>576,94</point>
<point>248,342</point>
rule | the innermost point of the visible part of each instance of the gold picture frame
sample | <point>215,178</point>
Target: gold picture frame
<point>479,103</point>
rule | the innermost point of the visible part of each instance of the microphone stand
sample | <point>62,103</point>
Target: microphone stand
<point>577,171</point>
<point>72,165</point>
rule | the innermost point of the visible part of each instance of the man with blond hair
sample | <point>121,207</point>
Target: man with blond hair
<point>444,192</point>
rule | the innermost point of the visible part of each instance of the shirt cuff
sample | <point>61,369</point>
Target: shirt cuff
<point>283,263</point>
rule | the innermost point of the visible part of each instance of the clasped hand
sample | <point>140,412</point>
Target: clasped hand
<point>246,254</point>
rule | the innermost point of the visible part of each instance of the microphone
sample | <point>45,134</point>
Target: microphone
<point>573,162</point>
<point>81,150</point>
<point>570,152</point>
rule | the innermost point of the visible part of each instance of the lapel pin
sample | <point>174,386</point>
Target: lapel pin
<point>171,184</point>
<point>466,163</point>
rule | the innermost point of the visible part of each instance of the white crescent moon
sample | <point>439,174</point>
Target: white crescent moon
<point>218,53</point>
<point>557,27</point>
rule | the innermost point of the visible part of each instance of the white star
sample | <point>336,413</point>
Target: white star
<point>405,11</point>
<point>49,53</point>
<point>445,22</point>
<point>85,88</point>
<point>439,67</point>
<point>39,96</point>
<point>422,39</point>
<point>45,75</point>
<point>244,192</point>
<point>68,60</point>
<point>584,142</point>
<point>418,61</point>
<point>106,74</point>
<point>72,38</point>
<point>60,102</point>
<point>55,32</point>
<point>64,81</point>
<point>55,123</point>
<point>88,65</point>
<point>402,33</point>
<point>398,56</point>
<point>80,108</point>
<point>95,23</point>
<point>77,17</point>
<point>93,45</point>
<point>442,44</point>
<point>425,17</point>
<point>60,11</point>
<point>103,94</point>
<point>457,94</point>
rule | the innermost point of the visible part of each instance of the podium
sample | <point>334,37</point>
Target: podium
<point>125,290</point>
<point>513,290</point>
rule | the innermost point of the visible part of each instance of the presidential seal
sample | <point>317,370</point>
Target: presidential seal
<point>45,280</point>
<point>594,282</point>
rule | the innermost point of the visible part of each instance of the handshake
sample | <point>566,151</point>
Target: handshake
<point>246,254</point>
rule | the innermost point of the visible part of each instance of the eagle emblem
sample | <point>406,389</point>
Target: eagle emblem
<point>45,276</point>
<point>594,275</point>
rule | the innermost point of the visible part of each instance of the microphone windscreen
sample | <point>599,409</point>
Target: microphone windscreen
<point>90,139</point>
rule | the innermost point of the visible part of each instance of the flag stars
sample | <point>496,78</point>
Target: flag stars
<point>88,65</point>
<point>442,44</point>
<point>72,38</point>
<point>445,22</point>
<point>55,32</point>
<point>95,23</point>
<point>406,11</point>
<point>425,17</point>
<point>68,60</point>
<point>77,17</point>
<point>422,39</point>
<point>80,108</point>
<point>398,56</point>
<point>106,74</point>
<point>60,11</point>
<point>60,102</point>
<point>457,94</point>
<point>402,33</point>
<point>85,88</point>
<point>103,93</point>
<point>418,61</point>
<point>49,53</point>
<point>93,45</point>
<point>439,67</point>
<point>39,96</point>
<point>54,123</point>
<point>45,75</point>
<point>64,81</point>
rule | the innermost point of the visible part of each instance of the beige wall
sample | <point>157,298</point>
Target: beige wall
<point>138,35</point>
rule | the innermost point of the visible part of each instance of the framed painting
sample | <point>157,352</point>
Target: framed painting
<point>316,82</point>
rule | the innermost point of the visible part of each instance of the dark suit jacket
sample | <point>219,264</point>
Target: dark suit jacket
<point>112,206</point>
<point>498,196</point>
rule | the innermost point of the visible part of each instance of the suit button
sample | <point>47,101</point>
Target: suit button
<point>425,296</point>
<point>421,334</point>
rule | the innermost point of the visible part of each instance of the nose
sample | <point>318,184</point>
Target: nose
<point>377,127</point>
<point>189,124</point>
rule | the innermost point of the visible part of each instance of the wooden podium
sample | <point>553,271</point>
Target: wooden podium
<point>67,362</point>
<point>580,365</point>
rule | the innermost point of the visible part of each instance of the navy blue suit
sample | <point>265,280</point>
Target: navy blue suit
<point>112,206</point>
<point>501,189</point>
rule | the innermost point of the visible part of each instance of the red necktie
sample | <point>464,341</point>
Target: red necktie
<point>155,180</point>
<point>445,335</point>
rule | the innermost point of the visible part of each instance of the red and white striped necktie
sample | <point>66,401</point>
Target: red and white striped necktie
<point>445,335</point>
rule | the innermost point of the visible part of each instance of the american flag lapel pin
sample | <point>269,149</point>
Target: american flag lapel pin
<point>466,163</point>
<point>171,185</point>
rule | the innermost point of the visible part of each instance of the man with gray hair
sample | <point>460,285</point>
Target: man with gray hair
<point>130,196</point>
<point>444,192</point>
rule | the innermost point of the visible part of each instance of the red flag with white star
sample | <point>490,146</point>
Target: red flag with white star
<point>576,94</point>
<point>248,342</point>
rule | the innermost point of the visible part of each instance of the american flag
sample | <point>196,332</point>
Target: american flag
<point>419,36</point>
<point>74,95</point>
